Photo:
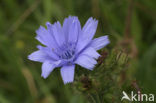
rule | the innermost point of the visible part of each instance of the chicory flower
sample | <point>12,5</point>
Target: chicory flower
<point>67,45</point>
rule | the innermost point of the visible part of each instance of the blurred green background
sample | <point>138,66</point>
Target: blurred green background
<point>128,63</point>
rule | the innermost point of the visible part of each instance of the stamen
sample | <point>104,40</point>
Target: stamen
<point>67,51</point>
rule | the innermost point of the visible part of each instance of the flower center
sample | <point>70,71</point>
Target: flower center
<point>67,51</point>
<point>67,54</point>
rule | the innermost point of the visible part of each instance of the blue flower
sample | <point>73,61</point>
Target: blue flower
<point>67,45</point>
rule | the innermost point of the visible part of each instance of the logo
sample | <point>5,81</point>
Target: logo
<point>137,97</point>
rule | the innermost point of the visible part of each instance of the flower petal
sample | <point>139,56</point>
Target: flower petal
<point>87,33</point>
<point>71,28</point>
<point>45,37</point>
<point>89,28</point>
<point>67,73</point>
<point>58,33</point>
<point>86,62</point>
<point>66,25</point>
<point>100,42</point>
<point>39,56</point>
<point>50,52</point>
<point>47,68</point>
<point>91,52</point>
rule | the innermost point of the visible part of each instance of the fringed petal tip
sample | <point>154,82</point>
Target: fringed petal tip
<point>29,57</point>
<point>67,82</point>
<point>107,38</point>
<point>100,42</point>
<point>43,76</point>
<point>33,56</point>
<point>40,29</point>
<point>48,24</point>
